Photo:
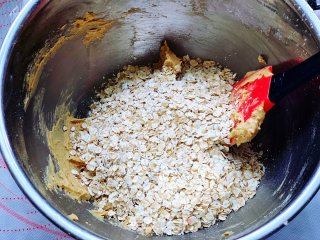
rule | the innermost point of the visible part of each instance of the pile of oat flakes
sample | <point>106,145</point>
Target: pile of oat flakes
<point>155,146</point>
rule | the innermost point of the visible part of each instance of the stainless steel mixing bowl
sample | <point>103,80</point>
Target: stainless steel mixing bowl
<point>233,32</point>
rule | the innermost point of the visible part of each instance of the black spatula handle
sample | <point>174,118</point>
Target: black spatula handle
<point>314,4</point>
<point>283,83</point>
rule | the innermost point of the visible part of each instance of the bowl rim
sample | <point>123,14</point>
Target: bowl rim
<point>70,227</point>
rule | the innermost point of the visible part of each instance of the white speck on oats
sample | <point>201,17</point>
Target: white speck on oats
<point>74,172</point>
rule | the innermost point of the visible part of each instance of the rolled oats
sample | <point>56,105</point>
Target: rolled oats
<point>156,154</point>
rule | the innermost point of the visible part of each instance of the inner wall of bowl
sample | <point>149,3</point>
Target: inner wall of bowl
<point>233,33</point>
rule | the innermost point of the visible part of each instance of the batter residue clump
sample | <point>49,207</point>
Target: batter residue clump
<point>154,149</point>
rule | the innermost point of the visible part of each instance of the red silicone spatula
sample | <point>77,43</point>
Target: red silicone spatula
<point>259,91</point>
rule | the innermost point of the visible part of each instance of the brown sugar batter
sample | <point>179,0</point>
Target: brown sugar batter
<point>90,27</point>
<point>59,145</point>
<point>245,131</point>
